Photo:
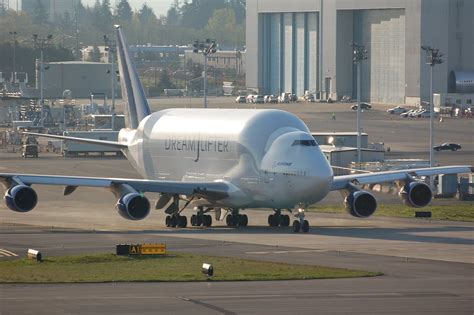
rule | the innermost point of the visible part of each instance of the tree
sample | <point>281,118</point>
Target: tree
<point>95,54</point>
<point>197,12</point>
<point>105,12</point>
<point>172,17</point>
<point>222,26</point>
<point>40,14</point>
<point>146,15</point>
<point>124,11</point>
<point>165,81</point>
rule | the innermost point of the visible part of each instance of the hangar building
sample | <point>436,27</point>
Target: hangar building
<point>294,46</point>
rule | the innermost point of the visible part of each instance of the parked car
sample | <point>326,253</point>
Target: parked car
<point>284,98</point>
<point>250,98</point>
<point>273,99</point>
<point>258,99</point>
<point>426,114</point>
<point>309,98</point>
<point>29,150</point>
<point>447,146</point>
<point>411,113</point>
<point>408,113</point>
<point>362,106</point>
<point>241,99</point>
<point>397,110</point>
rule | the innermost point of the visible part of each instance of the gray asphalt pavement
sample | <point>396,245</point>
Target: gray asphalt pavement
<point>428,265</point>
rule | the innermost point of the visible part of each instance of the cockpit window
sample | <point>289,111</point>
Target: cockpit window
<point>305,143</point>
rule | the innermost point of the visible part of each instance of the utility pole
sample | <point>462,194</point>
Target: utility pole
<point>207,47</point>
<point>433,57</point>
<point>41,44</point>
<point>359,54</point>
<point>14,33</point>
<point>111,47</point>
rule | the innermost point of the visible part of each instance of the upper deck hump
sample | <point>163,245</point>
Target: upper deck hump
<point>231,122</point>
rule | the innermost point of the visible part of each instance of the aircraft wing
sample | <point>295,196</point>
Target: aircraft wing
<point>341,182</point>
<point>211,190</point>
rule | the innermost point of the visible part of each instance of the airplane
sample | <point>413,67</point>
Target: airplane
<point>220,160</point>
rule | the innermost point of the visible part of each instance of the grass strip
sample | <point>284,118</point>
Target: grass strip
<point>173,267</point>
<point>457,212</point>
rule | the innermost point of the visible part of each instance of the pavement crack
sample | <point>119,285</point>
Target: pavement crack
<point>206,305</point>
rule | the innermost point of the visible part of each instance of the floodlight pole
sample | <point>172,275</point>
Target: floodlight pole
<point>433,57</point>
<point>358,116</point>
<point>112,48</point>
<point>14,33</point>
<point>41,43</point>
<point>205,81</point>
<point>41,88</point>
<point>207,47</point>
<point>431,118</point>
<point>359,54</point>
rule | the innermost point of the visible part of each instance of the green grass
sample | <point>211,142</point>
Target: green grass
<point>175,267</point>
<point>456,212</point>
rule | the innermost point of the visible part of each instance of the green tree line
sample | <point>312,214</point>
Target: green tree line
<point>185,21</point>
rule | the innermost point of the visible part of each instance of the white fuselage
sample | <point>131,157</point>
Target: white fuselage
<point>268,156</point>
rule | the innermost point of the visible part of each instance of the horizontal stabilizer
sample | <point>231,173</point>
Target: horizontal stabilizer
<point>113,144</point>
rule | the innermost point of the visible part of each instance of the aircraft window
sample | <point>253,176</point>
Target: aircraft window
<point>305,143</point>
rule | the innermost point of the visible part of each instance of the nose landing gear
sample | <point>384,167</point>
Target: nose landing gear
<point>300,223</point>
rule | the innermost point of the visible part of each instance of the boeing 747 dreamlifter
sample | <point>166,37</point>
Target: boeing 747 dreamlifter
<point>220,160</point>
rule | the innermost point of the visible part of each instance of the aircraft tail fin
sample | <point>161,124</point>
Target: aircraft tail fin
<point>136,105</point>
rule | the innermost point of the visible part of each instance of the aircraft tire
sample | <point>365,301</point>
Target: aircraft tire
<point>167,221</point>
<point>296,226</point>
<point>305,226</point>
<point>173,221</point>
<point>270,219</point>
<point>243,220</point>
<point>230,220</point>
<point>206,220</point>
<point>182,221</point>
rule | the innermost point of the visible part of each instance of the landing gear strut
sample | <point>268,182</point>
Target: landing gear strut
<point>278,219</point>
<point>300,223</point>
<point>200,218</point>
<point>174,219</point>
<point>235,219</point>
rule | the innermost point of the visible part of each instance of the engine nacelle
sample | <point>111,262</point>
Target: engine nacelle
<point>21,198</point>
<point>360,204</point>
<point>416,194</point>
<point>133,206</point>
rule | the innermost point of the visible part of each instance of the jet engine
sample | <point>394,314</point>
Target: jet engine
<point>21,198</point>
<point>133,206</point>
<point>360,204</point>
<point>416,194</point>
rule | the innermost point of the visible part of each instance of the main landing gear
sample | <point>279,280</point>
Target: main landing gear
<point>300,223</point>
<point>234,219</point>
<point>278,219</point>
<point>200,218</point>
<point>174,219</point>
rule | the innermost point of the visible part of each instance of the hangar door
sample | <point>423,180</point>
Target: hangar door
<point>289,52</point>
<point>383,74</point>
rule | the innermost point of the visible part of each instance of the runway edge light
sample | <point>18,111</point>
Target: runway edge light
<point>208,270</point>
<point>34,254</point>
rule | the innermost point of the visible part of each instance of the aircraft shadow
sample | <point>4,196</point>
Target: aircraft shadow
<point>409,234</point>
